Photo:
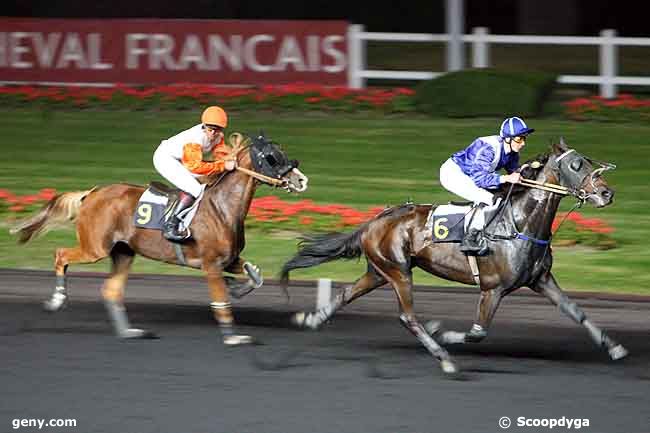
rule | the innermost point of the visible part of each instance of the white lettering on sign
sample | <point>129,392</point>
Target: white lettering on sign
<point>289,53</point>
<point>192,53</point>
<point>17,49</point>
<point>24,50</point>
<point>45,48</point>
<point>263,53</point>
<point>231,53</point>
<point>72,52</point>
<point>133,49</point>
<point>95,52</point>
<point>330,49</point>
<point>161,51</point>
<point>250,58</point>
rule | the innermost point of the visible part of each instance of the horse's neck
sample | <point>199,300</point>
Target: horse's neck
<point>535,209</point>
<point>232,196</point>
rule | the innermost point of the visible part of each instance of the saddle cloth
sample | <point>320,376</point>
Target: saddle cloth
<point>449,222</point>
<point>153,208</point>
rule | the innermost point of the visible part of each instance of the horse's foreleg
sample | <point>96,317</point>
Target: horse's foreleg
<point>547,286</point>
<point>487,306</point>
<point>113,294</point>
<point>368,282</point>
<point>221,307</point>
<point>62,258</point>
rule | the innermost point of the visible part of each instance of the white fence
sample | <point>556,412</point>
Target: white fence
<point>480,40</point>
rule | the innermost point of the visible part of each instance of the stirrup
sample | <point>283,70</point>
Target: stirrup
<point>474,243</point>
<point>174,235</point>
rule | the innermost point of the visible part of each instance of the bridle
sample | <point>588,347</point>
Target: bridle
<point>580,192</point>
<point>240,143</point>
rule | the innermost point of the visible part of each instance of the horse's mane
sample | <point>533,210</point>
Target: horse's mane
<point>528,172</point>
<point>238,142</point>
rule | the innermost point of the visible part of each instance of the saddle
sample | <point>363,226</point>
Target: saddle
<point>155,205</point>
<point>448,223</point>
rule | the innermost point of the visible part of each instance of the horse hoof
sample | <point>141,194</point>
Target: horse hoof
<point>306,321</point>
<point>448,367</point>
<point>618,352</point>
<point>237,340</point>
<point>433,327</point>
<point>298,319</point>
<point>57,302</point>
<point>134,333</point>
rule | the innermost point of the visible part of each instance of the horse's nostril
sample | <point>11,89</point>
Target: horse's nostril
<point>606,194</point>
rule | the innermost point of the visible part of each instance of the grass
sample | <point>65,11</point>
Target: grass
<point>359,160</point>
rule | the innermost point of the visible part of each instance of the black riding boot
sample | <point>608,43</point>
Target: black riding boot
<point>473,243</point>
<point>171,228</point>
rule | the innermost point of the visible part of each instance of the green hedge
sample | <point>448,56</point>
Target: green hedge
<point>485,92</point>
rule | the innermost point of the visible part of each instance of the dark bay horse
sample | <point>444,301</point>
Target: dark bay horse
<point>396,241</point>
<point>104,223</point>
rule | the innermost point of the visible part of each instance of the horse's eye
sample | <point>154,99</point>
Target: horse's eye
<point>576,165</point>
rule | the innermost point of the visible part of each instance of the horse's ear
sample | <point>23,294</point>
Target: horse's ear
<point>235,139</point>
<point>560,147</point>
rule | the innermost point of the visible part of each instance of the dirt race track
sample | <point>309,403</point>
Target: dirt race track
<point>362,373</point>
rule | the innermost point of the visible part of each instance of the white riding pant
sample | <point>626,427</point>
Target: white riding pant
<point>171,169</point>
<point>454,180</point>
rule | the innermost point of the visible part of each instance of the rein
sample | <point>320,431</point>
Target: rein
<point>261,177</point>
<point>581,195</point>
<point>550,187</point>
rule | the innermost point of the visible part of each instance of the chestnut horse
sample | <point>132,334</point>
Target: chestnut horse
<point>104,222</point>
<point>396,241</point>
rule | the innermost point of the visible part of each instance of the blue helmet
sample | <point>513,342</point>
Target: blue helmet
<point>514,126</point>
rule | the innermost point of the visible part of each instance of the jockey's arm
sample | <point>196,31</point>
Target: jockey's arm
<point>193,161</point>
<point>481,170</point>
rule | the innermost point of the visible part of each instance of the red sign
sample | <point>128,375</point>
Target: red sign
<point>130,51</point>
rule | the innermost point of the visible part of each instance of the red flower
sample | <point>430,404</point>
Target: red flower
<point>306,220</point>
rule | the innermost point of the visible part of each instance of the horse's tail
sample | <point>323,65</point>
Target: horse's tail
<point>60,210</point>
<point>316,249</point>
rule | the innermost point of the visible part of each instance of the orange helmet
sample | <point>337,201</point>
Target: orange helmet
<point>214,116</point>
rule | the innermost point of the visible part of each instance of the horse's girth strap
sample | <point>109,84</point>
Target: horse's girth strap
<point>473,265</point>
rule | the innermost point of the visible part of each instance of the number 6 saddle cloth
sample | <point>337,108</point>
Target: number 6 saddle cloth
<point>155,204</point>
<point>448,222</point>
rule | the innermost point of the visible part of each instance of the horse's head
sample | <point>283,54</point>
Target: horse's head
<point>268,159</point>
<point>580,174</point>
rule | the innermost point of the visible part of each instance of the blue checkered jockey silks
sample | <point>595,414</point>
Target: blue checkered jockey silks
<point>514,126</point>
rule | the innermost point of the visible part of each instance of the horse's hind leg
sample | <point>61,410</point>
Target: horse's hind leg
<point>401,279</point>
<point>62,258</point>
<point>254,273</point>
<point>548,287</point>
<point>368,282</point>
<point>113,293</point>
<point>487,306</point>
